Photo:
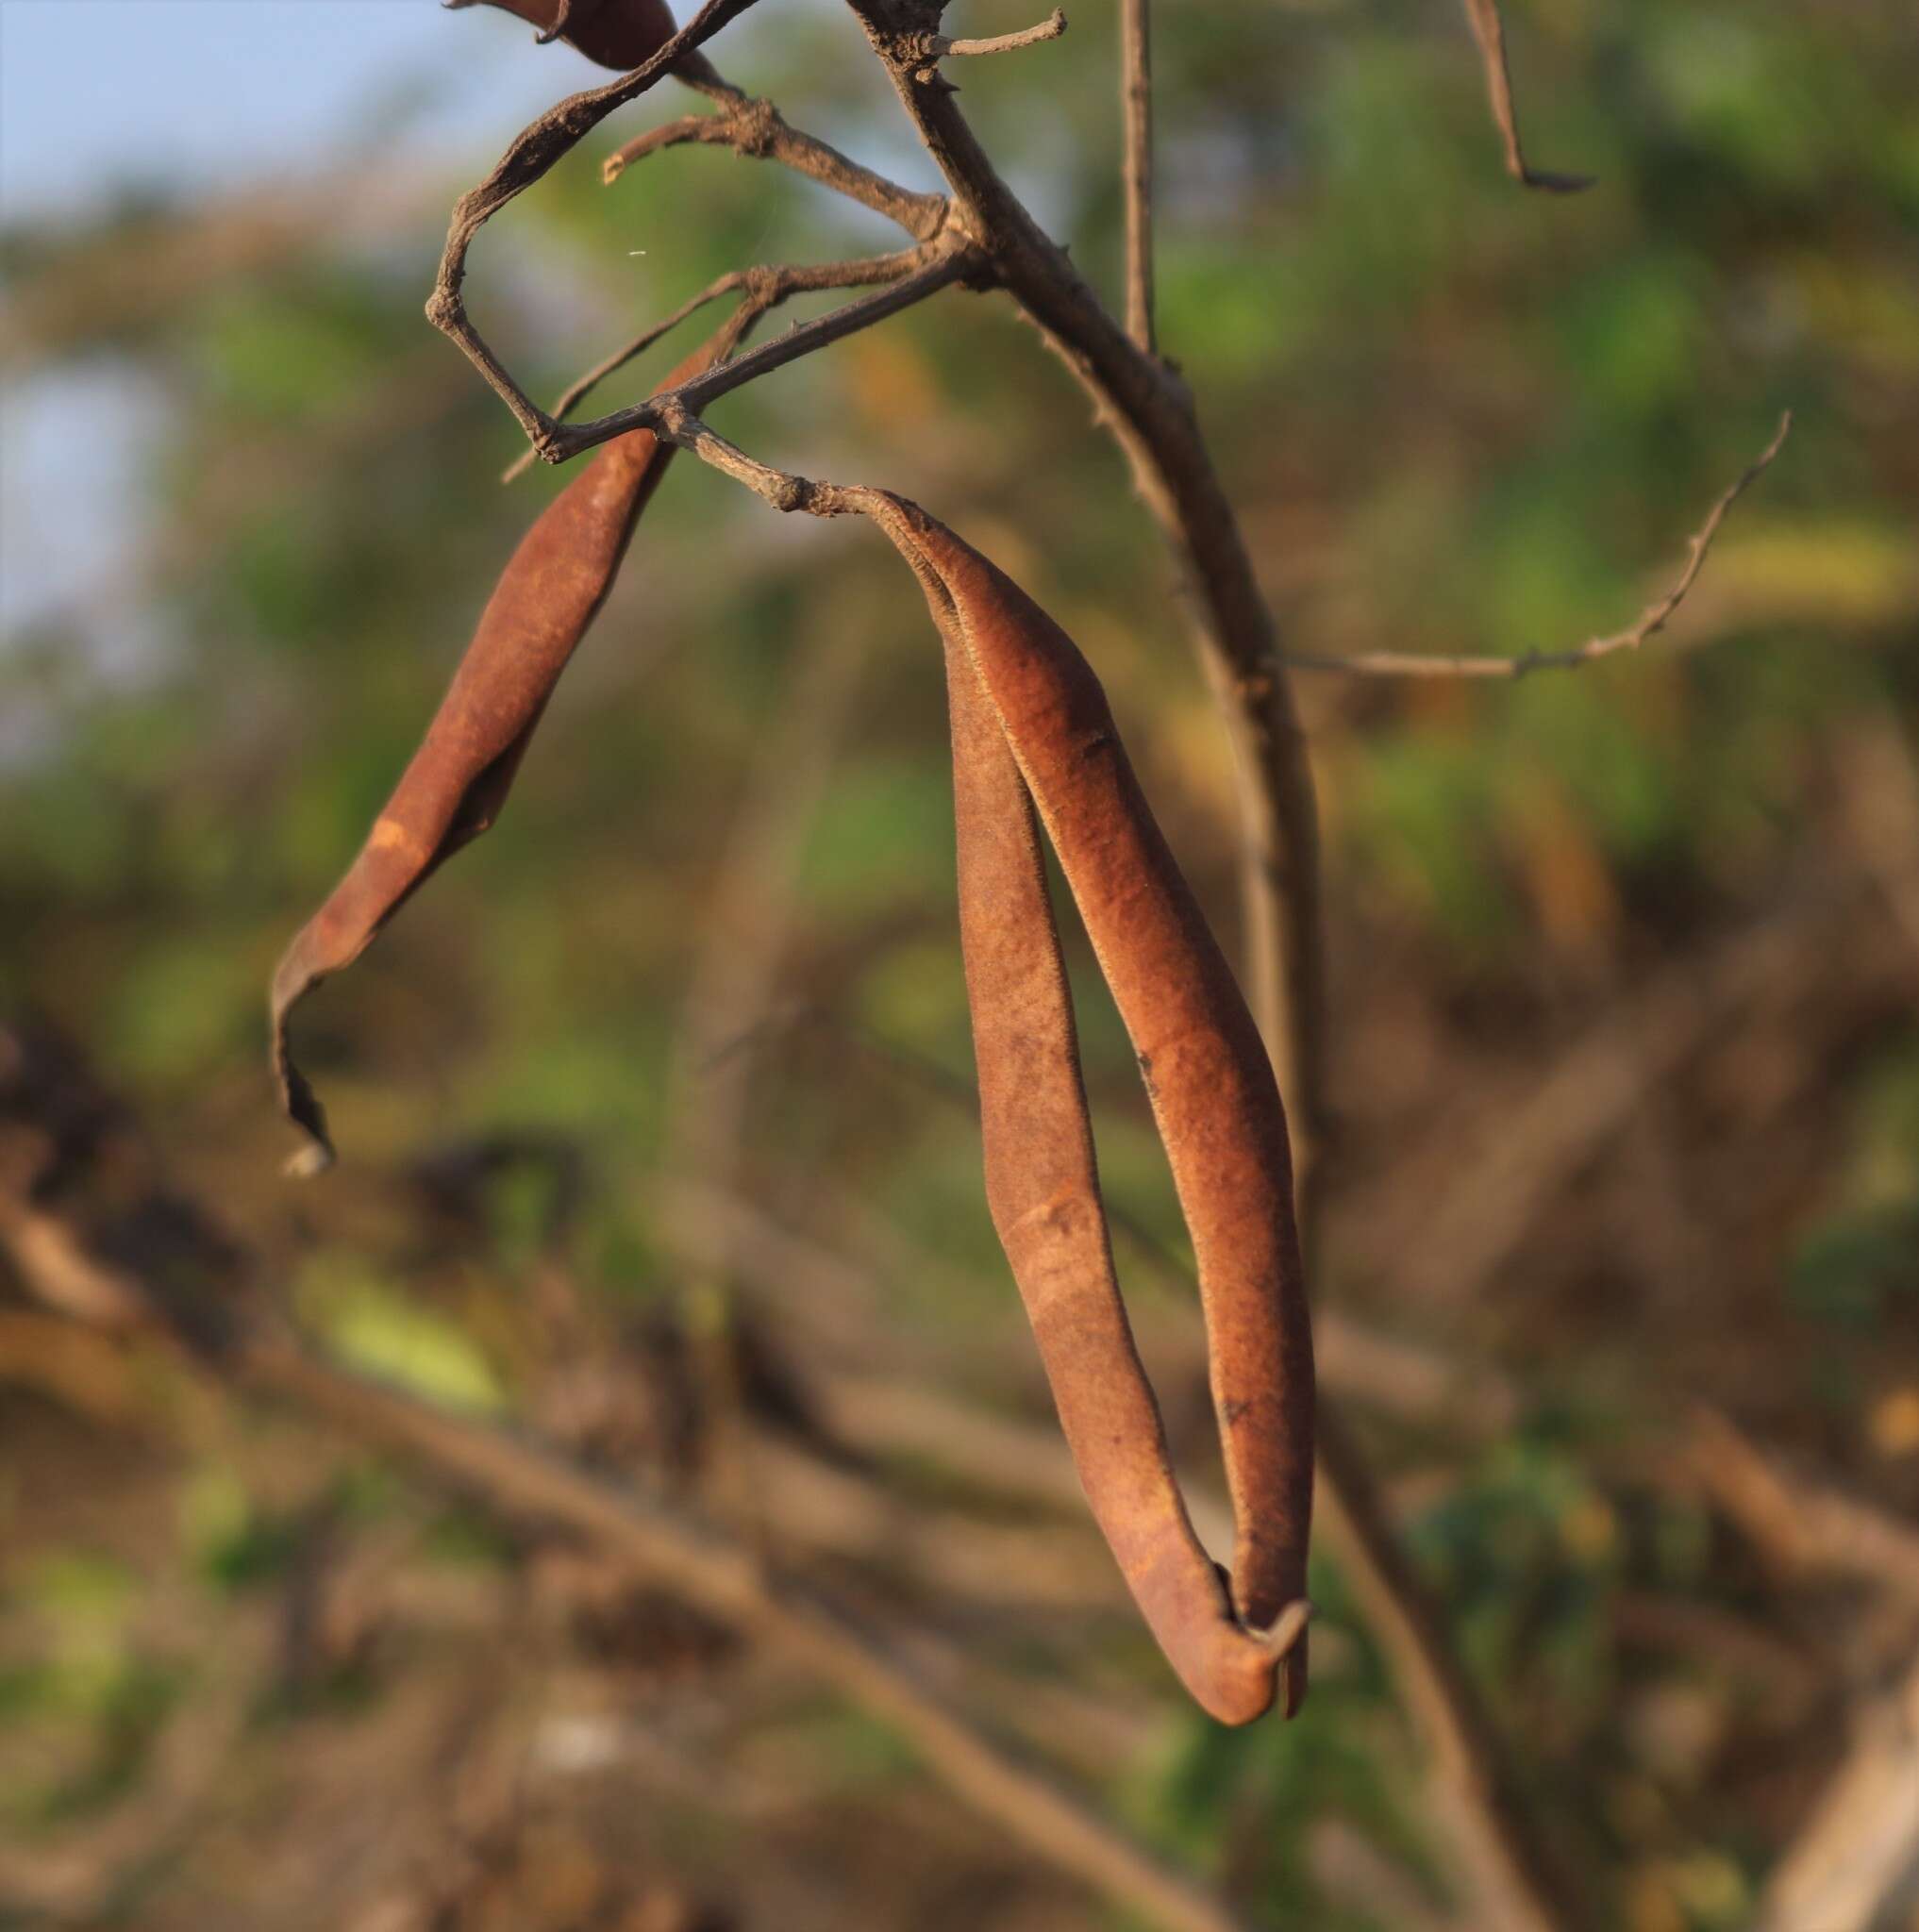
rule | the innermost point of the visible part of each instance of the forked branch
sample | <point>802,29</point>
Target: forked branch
<point>535,150</point>
<point>757,129</point>
<point>763,289</point>
<point>942,263</point>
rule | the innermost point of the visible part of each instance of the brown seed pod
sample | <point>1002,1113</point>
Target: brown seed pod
<point>1031,728</point>
<point>617,33</point>
<point>453,788</point>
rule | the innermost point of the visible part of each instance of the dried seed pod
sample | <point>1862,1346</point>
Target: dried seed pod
<point>616,33</point>
<point>454,787</point>
<point>1032,729</point>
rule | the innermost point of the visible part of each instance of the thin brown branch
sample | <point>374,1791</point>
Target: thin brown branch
<point>946,261</point>
<point>765,288</point>
<point>1049,29</point>
<point>1489,31</point>
<point>755,128</point>
<point>785,489</point>
<point>1648,624</point>
<point>521,1476</point>
<point>688,127</point>
<point>533,151</point>
<point>942,263</point>
<point>1136,95</point>
<point>583,385</point>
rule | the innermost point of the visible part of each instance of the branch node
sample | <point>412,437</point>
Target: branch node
<point>758,125</point>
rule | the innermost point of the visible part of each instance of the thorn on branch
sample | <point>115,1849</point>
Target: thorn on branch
<point>1136,101</point>
<point>673,134</point>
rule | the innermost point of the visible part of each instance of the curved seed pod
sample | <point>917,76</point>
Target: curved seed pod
<point>616,33</point>
<point>454,787</point>
<point>1043,1187</point>
<point>1214,1098</point>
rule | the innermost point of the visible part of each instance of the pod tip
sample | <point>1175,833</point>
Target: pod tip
<point>313,1158</point>
<point>1287,1628</point>
<point>292,982</point>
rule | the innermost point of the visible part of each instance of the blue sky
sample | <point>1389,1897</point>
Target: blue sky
<point>98,95</point>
